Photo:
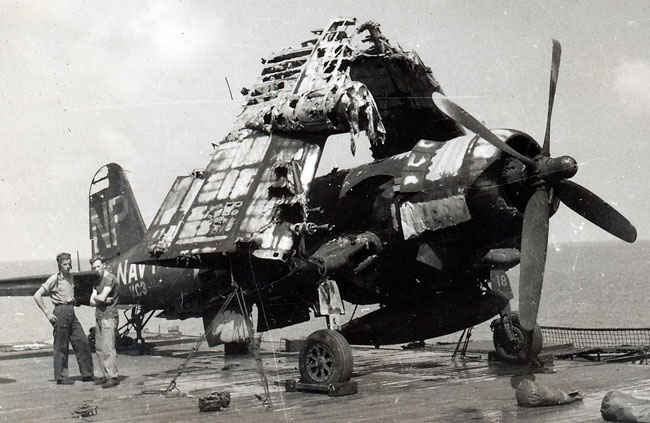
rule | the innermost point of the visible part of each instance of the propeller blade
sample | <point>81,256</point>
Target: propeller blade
<point>534,239</point>
<point>468,121</point>
<point>555,69</point>
<point>593,208</point>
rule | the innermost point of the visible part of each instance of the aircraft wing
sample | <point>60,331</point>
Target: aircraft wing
<point>251,192</point>
<point>253,188</point>
<point>22,286</point>
<point>26,286</point>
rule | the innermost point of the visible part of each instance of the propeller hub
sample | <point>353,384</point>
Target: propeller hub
<point>557,168</point>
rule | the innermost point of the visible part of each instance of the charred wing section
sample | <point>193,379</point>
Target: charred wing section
<point>402,86</point>
<point>348,78</point>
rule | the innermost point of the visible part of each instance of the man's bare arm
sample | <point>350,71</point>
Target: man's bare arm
<point>38,298</point>
<point>101,297</point>
<point>93,298</point>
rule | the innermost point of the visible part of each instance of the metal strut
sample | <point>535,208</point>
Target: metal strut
<point>172,385</point>
<point>138,320</point>
<point>266,401</point>
<point>464,339</point>
<point>239,294</point>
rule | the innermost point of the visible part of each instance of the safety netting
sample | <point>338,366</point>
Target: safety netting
<point>597,337</point>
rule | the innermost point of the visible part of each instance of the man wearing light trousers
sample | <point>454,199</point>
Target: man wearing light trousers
<point>104,298</point>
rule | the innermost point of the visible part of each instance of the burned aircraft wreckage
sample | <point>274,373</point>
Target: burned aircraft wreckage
<point>418,230</point>
<point>349,79</point>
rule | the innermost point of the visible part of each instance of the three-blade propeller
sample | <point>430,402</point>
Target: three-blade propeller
<point>549,176</point>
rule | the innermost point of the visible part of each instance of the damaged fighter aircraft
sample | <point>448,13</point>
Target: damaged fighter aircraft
<point>426,230</point>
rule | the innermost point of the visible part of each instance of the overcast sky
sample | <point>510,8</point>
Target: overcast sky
<point>83,83</point>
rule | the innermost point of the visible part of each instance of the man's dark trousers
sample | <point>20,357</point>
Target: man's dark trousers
<point>67,329</point>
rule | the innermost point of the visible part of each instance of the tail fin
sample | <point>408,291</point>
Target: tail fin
<point>116,224</point>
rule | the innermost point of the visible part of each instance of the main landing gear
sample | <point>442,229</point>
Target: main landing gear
<point>325,365</point>
<point>326,358</point>
<point>136,318</point>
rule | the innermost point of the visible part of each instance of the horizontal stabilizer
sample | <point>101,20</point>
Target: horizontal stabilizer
<point>26,286</point>
<point>22,286</point>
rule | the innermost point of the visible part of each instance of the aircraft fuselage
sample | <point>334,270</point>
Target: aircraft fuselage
<point>154,287</point>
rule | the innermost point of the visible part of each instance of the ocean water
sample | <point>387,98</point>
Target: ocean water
<point>602,284</point>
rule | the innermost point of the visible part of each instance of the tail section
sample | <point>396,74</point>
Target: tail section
<point>116,224</point>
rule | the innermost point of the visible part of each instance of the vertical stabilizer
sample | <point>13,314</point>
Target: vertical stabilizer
<point>116,224</point>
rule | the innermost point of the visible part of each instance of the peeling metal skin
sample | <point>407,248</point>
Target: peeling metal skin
<point>331,84</point>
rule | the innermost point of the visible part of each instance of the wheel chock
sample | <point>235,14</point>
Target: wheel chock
<point>331,389</point>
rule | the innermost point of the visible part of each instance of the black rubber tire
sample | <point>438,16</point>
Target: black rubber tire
<point>326,358</point>
<point>518,357</point>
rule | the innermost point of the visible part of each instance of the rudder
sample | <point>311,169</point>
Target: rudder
<point>115,221</point>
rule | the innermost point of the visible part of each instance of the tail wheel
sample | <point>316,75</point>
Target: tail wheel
<point>326,358</point>
<point>519,351</point>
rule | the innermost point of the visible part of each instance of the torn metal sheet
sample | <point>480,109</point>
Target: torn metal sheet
<point>225,327</point>
<point>433,215</point>
<point>437,166</point>
<point>329,299</point>
<point>338,106</point>
<point>428,256</point>
<point>431,166</point>
<point>391,167</point>
<point>234,200</point>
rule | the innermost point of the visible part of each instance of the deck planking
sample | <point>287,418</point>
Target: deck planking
<point>395,385</point>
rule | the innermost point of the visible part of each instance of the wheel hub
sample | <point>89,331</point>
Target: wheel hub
<point>319,362</point>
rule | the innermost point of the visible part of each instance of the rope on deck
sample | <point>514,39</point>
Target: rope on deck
<point>596,337</point>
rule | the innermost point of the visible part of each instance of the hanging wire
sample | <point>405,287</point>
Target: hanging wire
<point>244,309</point>
<point>258,361</point>
<point>261,311</point>
<point>172,384</point>
<point>257,288</point>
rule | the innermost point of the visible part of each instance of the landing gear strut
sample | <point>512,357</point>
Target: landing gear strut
<point>463,343</point>
<point>138,319</point>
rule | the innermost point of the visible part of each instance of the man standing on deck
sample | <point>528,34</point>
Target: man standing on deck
<point>105,298</point>
<point>67,329</point>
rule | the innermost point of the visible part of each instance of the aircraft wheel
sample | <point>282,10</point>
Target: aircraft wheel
<point>519,353</point>
<point>326,358</point>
